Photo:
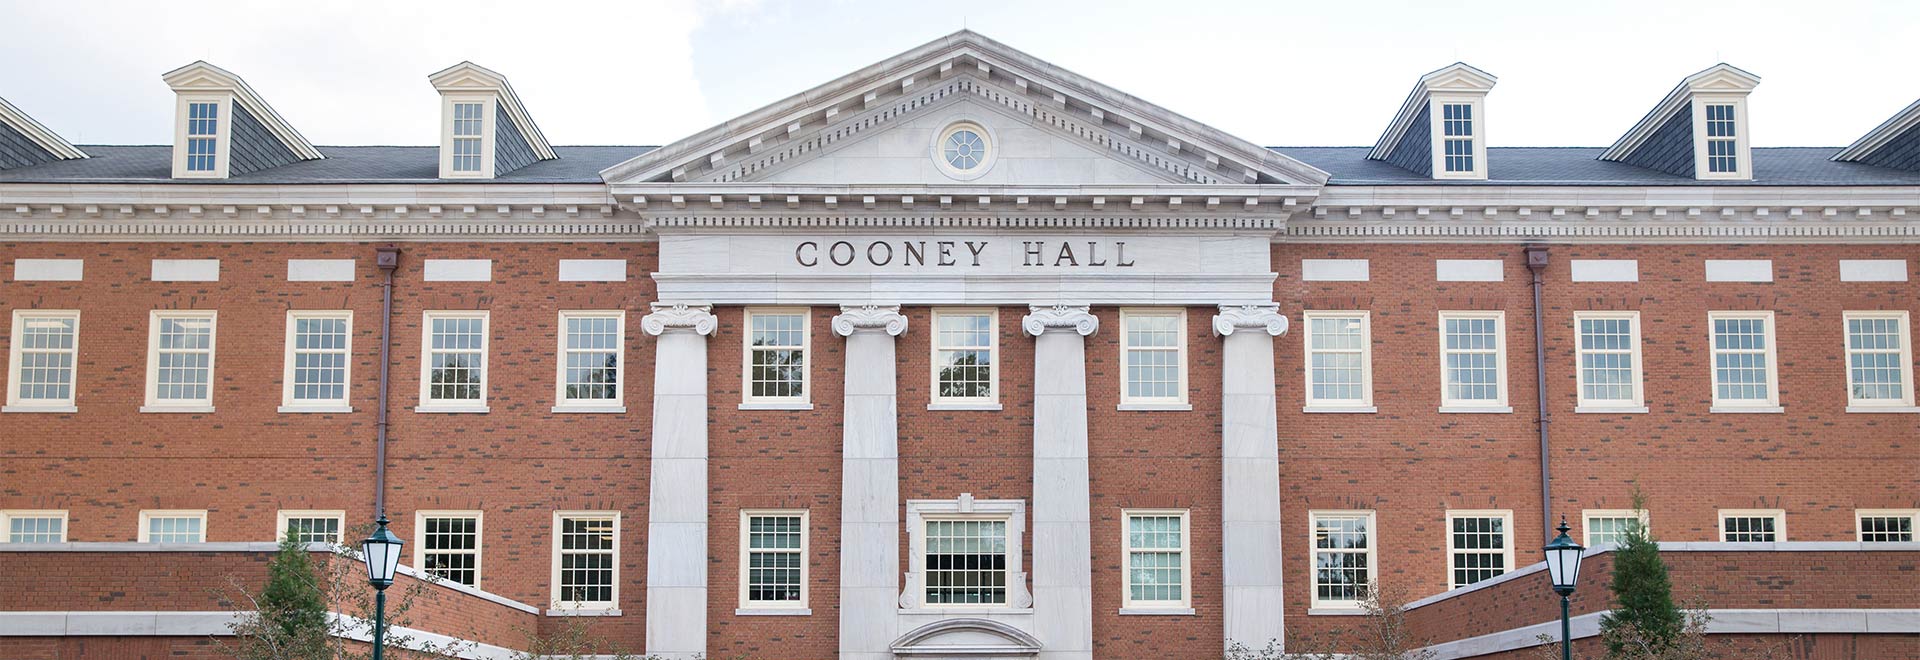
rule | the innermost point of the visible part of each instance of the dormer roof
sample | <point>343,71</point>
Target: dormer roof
<point>25,142</point>
<point>203,77</point>
<point>1719,78</point>
<point>1456,77</point>
<point>470,77</point>
<point>1894,143</point>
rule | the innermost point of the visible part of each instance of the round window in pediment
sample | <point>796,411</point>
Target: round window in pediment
<point>964,150</point>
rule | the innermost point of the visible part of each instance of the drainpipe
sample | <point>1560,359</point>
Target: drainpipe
<point>1537,264</point>
<point>387,258</point>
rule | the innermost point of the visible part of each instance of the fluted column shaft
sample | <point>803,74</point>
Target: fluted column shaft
<point>677,497</point>
<point>1250,475</point>
<point>869,484</point>
<point>1062,534</point>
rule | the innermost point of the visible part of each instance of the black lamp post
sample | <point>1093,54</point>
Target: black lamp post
<point>382,551</point>
<point>1563,565</point>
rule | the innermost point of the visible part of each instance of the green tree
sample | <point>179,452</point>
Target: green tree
<point>1645,621</point>
<point>289,617</point>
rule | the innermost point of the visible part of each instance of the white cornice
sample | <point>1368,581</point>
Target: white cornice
<point>39,133</point>
<point>1719,78</point>
<point>1880,135</point>
<point>654,200</point>
<point>1045,84</point>
<point>467,76</point>
<point>203,76</point>
<point>1457,77</point>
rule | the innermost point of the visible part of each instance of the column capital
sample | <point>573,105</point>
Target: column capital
<point>1262,316</point>
<point>862,318</point>
<point>1077,318</point>
<point>679,317</point>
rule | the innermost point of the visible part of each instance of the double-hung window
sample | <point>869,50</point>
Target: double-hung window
<point>1887,525</point>
<point>1879,361</point>
<point>1753,526</point>
<point>33,526</point>
<point>1723,155</point>
<point>1744,370</point>
<point>1153,355</point>
<point>1473,364</point>
<point>590,373</point>
<point>776,357</point>
<point>1610,525</point>
<point>1479,546</point>
<point>1343,558</point>
<point>468,126</point>
<point>1457,136</point>
<point>964,553</point>
<point>966,358</point>
<point>453,371</point>
<point>1339,361</point>
<point>586,566</point>
<point>447,545</point>
<point>306,526</point>
<point>1609,362</point>
<point>203,136</point>
<point>773,560</point>
<point>1158,572</point>
<point>318,361</point>
<point>45,347</point>
<point>173,526</point>
<point>180,361</point>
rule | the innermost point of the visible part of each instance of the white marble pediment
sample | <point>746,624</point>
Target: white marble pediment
<point>975,639</point>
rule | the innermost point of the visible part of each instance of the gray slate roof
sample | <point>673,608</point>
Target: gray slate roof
<point>154,164</point>
<point>1781,166</point>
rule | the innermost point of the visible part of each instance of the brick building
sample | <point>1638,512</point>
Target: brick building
<point>960,355</point>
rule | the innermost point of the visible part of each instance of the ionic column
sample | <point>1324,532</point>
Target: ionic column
<point>869,483</point>
<point>1062,534</point>
<point>677,502</point>
<point>1250,475</point>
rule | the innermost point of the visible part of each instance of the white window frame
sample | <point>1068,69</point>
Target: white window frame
<point>1584,405</point>
<point>1365,403</point>
<point>1587,516</point>
<point>1180,359</point>
<point>750,402</point>
<point>1127,604</point>
<point>919,512</point>
<point>1506,526</point>
<point>147,515</point>
<point>429,405</point>
<point>749,607</point>
<point>288,404</point>
<point>488,112</point>
<point>156,404</point>
<point>1772,403</point>
<point>1860,532</point>
<point>1903,404</point>
<point>1779,517</point>
<point>992,402</point>
<point>563,606</point>
<point>1741,147</point>
<point>479,540</point>
<point>280,521</point>
<point>7,516</point>
<point>223,134</point>
<point>15,349</point>
<point>1499,404</point>
<point>1314,604</point>
<point>563,404</point>
<point>1436,125</point>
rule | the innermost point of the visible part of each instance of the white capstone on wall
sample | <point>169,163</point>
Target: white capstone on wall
<point>593,270</point>
<point>319,270</point>
<point>186,270</point>
<point>1334,270</point>
<point>1873,270</point>
<point>459,270</point>
<point>1468,270</point>
<point>47,270</point>
<point>1606,270</point>
<point>1739,270</point>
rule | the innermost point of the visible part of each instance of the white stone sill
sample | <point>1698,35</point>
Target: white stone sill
<point>40,409</point>
<point>568,409</point>
<point>802,405</point>
<point>1883,409</point>
<point>774,611</point>
<point>176,409</point>
<point>315,409</point>
<point>1341,409</point>
<point>443,409</point>
<point>963,406</point>
<point>1156,611</point>
<point>964,611</point>
<point>584,613</point>
<point>1322,611</point>
<point>1604,410</point>
<point>1142,407</point>
<point>1486,410</point>
<point>1747,409</point>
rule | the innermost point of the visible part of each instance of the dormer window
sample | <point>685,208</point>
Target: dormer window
<point>1440,129</point>
<point>203,131</point>
<point>1722,143</point>
<point>484,131</point>
<point>223,129</point>
<point>1458,136</point>
<point>1698,131</point>
<point>467,124</point>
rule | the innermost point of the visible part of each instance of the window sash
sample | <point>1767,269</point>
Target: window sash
<point>1608,359</point>
<point>586,559</point>
<point>773,559</point>
<point>1879,359</point>
<point>1344,364</point>
<point>448,545</point>
<point>592,350</point>
<point>1722,140</point>
<point>965,561</point>
<point>1744,361</point>
<point>966,356</point>
<point>1472,359</point>
<point>33,526</point>
<point>1751,527</point>
<point>1479,546</point>
<point>180,358</point>
<point>1343,558</point>
<point>453,366</point>
<point>45,353</point>
<point>173,526</point>
<point>468,131</point>
<point>1608,525</point>
<point>203,130</point>
<point>319,358</point>
<point>1157,574</point>
<point>1887,526</point>
<point>312,526</point>
<point>1153,346</point>
<point>776,356</point>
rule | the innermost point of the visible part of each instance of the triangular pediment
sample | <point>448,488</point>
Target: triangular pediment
<point>1059,129</point>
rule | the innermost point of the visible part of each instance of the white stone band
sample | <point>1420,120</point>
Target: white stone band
<point>1060,317</point>
<point>680,317</point>
<point>1248,317</point>
<point>857,318</point>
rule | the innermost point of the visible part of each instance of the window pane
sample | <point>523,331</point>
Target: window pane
<point>586,560</point>
<point>592,358</point>
<point>450,548</point>
<point>36,530</point>
<point>777,367</point>
<point>1479,549</point>
<point>966,562</point>
<point>46,358</point>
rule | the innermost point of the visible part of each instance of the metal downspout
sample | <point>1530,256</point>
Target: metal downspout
<point>1537,264</point>
<point>387,259</point>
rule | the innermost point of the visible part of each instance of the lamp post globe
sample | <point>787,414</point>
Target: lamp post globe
<point>1563,567</point>
<point>382,552</point>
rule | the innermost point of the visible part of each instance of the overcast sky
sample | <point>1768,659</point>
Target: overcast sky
<point>1277,73</point>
